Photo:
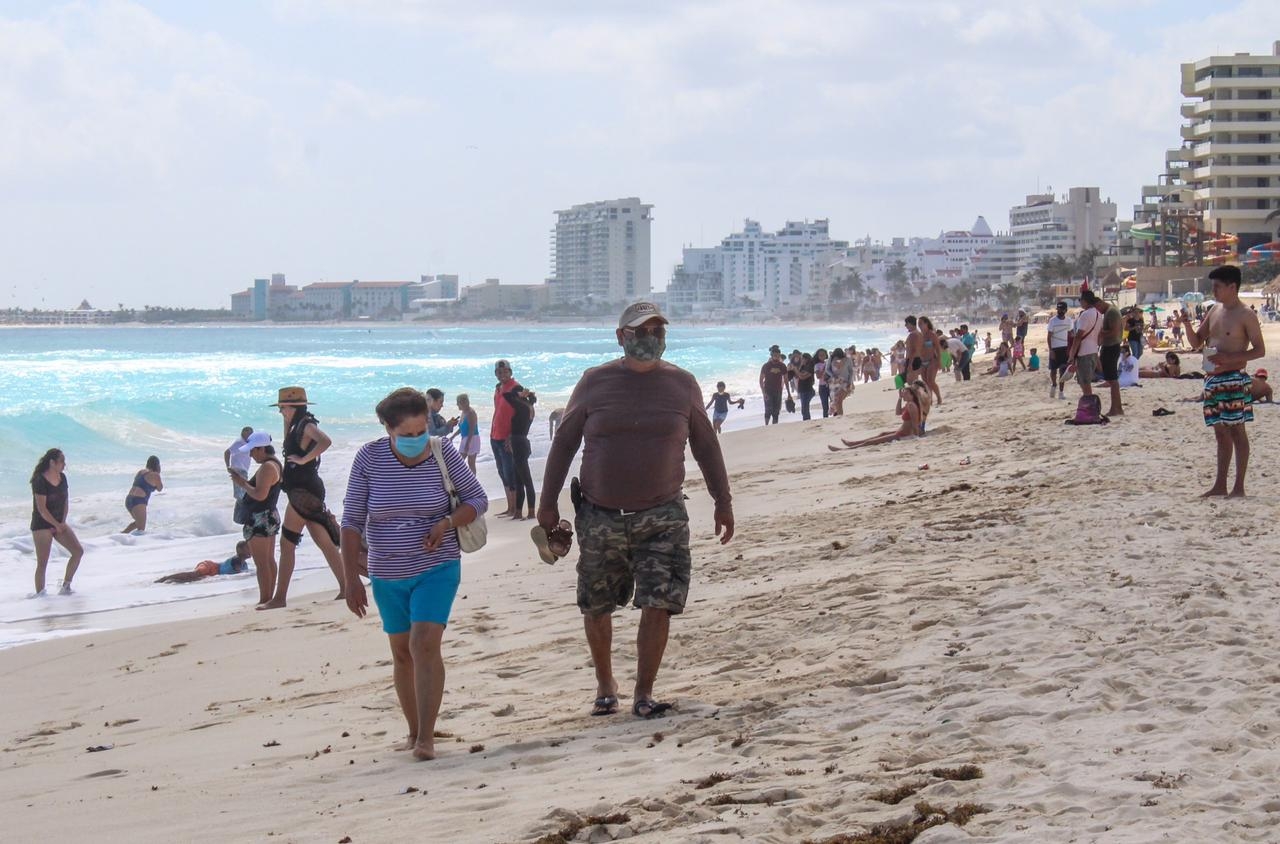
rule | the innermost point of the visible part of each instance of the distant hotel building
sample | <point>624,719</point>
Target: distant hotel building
<point>1044,226</point>
<point>781,271</point>
<point>275,299</point>
<point>601,253</point>
<point>1230,161</point>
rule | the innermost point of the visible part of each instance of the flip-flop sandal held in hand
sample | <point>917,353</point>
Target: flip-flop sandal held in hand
<point>552,544</point>
<point>607,705</point>
<point>647,707</point>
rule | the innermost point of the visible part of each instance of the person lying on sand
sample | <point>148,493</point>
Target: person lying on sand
<point>208,568</point>
<point>1171,368</point>
<point>908,408</point>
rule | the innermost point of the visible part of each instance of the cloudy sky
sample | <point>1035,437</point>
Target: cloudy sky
<point>170,152</point>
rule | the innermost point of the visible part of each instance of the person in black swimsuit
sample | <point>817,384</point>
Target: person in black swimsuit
<point>49,505</point>
<point>145,482</point>
<point>262,519</point>
<point>521,401</point>
<point>303,444</point>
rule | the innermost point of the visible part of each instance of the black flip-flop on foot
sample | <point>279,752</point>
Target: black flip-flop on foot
<point>606,705</point>
<point>651,708</point>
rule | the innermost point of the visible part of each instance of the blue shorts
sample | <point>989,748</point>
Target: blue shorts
<point>424,597</point>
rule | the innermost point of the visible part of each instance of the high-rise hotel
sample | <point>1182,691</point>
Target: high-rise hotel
<point>1229,163</point>
<point>601,253</point>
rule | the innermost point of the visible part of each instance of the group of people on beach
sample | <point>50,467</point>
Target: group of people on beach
<point>413,502</point>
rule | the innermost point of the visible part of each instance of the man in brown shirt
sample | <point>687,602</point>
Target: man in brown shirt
<point>633,417</point>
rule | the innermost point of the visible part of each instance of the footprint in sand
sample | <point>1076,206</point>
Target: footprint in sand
<point>45,732</point>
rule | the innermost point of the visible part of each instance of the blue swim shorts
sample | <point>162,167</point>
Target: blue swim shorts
<point>424,597</point>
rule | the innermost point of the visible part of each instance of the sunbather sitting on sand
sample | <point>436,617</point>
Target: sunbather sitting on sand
<point>208,568</point>
<point>908,408</point>
<point>1171,368</point>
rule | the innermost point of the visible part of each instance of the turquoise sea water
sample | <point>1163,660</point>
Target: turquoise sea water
<point>109,397</point>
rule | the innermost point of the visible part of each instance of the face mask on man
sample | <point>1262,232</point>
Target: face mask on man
<point>645,347</point>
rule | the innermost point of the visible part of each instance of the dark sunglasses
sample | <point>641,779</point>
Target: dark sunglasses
<point>647,331</point>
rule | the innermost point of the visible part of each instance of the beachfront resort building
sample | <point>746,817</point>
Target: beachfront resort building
<point>601,253</point>
<point>1230,157</point>
<point>495,299</point>
<point>778,272</point>
<point>1066,225</point>
<point>324,300</point>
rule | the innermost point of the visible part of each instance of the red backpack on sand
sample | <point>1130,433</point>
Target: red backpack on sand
<point>1088,412</point>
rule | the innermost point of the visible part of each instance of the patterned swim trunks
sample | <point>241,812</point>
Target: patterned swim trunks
<point>1227,400</point>
<point>644,553</point>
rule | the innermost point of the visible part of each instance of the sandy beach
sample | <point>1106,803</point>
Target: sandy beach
<point>1054,606</point>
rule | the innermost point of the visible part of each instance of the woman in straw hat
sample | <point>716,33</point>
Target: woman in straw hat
<point>303,444</point>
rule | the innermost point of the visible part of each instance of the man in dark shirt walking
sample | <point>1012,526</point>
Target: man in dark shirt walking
<point>632,418</point>
<point>773,376</point>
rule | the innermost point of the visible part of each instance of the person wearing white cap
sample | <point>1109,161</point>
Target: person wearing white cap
<point>632,417</point>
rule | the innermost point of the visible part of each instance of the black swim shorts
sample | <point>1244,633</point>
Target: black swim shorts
<point>1109,362</point>
<point>1058,358</point>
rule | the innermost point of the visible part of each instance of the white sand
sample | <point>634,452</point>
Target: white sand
<point>1064,613</point>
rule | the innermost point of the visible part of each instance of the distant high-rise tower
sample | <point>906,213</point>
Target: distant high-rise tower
<point>602,252</point>
<point>1230,158</point>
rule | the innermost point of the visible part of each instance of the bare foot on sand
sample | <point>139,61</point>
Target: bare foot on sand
<point>424,751</point>
<point>1216,492</point>
<point>408,744</point>
<point>1237,493</point>
<point>273,604</point>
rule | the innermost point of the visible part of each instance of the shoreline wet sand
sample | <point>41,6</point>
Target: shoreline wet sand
<point>1063,613</point>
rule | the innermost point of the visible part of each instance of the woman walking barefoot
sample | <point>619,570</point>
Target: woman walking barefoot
<point>145,482</point>
<point>49,506</point>
<point>396,503</point>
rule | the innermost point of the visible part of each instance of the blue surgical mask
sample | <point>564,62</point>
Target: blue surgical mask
<point>411,447</point>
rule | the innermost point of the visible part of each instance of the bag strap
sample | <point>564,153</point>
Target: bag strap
<point>444,470</point>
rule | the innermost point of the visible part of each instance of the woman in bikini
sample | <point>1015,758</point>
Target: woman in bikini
<point>1171,368</point>
<point>932,356</point>
<point>908,409</point>
<point>145,482</point>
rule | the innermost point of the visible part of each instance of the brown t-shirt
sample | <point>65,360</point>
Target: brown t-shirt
<point>772,374</point>
<point>633,427</point>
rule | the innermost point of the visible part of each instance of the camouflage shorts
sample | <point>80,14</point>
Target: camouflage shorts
<point>646,553</point>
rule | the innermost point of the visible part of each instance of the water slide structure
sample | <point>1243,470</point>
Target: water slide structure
<point>1213,248</point>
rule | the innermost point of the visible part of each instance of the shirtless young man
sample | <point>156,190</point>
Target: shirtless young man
<point>1230,337</point>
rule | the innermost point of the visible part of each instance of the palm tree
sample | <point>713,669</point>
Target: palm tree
<point>1009,294</point>
<point>1085,261</point>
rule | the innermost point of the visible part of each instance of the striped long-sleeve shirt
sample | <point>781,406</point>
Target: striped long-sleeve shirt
<point>394,506</point>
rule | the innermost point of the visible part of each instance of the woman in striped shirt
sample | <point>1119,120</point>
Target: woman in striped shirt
<point>396,503</point>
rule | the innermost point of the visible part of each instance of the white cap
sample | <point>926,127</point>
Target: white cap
<point>256,440</point>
